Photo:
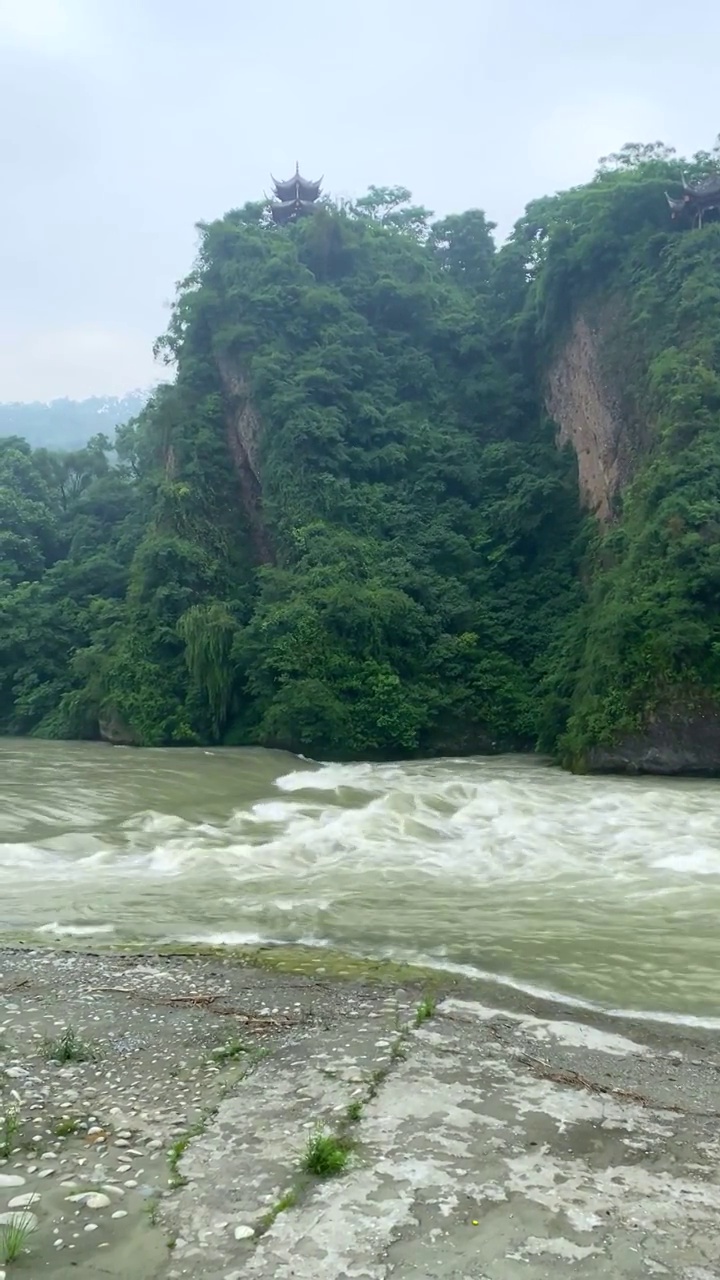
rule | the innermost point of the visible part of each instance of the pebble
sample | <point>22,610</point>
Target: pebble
<point>11,1180</point>
<point>91,1199</point>
<point>121,1142</point>
<point>91,1226</point>
<point>112,1190</point>
<point>244,1233</point>
<point>46,1173</point>
<point>23,1202</point>
<point>119,1213</point>
<point>97,1201</point>
<point>155,1144</point>
<point>131,1182</point>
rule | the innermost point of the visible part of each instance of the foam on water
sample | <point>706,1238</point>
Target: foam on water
<point>605,890</point>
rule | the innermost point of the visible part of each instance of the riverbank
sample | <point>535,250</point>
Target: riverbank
<point>480,1142</point>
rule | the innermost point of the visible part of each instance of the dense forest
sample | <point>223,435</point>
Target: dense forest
<point>346,526</point>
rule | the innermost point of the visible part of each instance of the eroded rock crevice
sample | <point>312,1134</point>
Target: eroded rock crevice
<point>243,428</point>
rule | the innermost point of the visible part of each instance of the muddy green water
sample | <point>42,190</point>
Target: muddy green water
<point>604,890</point>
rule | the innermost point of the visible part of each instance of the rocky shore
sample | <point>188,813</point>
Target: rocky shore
<point>158,1113</point>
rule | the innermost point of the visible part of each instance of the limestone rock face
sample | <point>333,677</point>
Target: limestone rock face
<point>584,396</point>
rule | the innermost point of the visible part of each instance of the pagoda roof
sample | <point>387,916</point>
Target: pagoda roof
<point>287,209</point>
<point>702,187</point>
<point>297,188</point>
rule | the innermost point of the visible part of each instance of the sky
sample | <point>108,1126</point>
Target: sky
<point>125,122</point>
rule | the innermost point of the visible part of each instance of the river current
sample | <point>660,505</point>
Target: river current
<point>603,890</point>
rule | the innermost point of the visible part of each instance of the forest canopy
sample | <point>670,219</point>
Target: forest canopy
<point>345,526</point>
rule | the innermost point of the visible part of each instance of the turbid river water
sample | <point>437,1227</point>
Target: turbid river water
<point>603,890</point>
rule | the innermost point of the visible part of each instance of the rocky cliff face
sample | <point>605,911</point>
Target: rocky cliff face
<point>583,398</point>
<point>587,396</point>
<point>243,437</point>
<point>678,738</point>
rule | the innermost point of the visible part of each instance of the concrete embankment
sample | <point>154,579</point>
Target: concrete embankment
<point>477,1142</point>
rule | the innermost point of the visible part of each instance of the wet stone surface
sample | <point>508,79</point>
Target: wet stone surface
<point>487,1144</point>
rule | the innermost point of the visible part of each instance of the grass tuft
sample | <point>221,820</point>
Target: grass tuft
<point>69,1047</point>
<point>14,1235</point>
<point>325,1155</point>
<point>9,1129</point>
<point>354,1111</point>
<point>175,1155</point>
<point>425,1010</point>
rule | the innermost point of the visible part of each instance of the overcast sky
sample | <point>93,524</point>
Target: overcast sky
<point>123,122</point>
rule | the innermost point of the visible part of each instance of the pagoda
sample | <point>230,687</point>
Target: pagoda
<point>698,198</point>
<point>293,198</point>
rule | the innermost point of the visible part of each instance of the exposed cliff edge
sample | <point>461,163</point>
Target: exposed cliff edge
<point>583,399</point>
<point>243,429</point>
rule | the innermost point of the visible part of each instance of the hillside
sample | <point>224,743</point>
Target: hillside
<point>406,495</point>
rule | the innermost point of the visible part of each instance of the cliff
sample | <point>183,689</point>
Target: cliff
<point>588,400</point>
<point>631,381</point>
<point>362,542</point>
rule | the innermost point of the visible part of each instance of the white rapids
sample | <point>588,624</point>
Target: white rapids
<point>604,890</point>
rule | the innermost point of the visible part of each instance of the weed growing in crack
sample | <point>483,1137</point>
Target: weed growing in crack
<point>9,1130</point>
<point>286,1201</point>
<point>69,1047</point>
<point>14,1235</point>
<point>180,1146</point>
<point>398,1049</point>
<point>229,1052</point>
<point>425,1010</point>
<point>325,1155</point>
<point>67,1126</point>
<point>376,1079</point>
<point>175,1155</point>
<point>354,1111</point>
<point>152,1210</point>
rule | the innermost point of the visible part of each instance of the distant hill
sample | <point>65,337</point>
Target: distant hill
<point>69,424</point>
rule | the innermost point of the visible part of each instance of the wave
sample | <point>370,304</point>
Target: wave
<point>603,890</point>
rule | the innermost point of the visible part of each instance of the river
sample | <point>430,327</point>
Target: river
<point>602,890</point>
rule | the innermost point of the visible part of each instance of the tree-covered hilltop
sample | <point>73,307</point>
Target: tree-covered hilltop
<point>347,526</point>
<point>359,534</point>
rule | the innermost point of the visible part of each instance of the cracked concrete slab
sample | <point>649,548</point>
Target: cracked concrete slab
<point>492,1146</point>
